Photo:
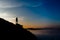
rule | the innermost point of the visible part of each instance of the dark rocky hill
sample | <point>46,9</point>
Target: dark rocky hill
<point>11,31</point>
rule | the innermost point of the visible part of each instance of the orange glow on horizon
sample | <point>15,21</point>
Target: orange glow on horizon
<point>31,25</point>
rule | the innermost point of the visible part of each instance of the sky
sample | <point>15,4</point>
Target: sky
<point>31,13</point>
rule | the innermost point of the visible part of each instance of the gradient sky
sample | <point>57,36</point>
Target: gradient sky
<point>31,13</point>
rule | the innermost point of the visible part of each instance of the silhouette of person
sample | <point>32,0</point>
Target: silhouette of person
<point>16,20</point>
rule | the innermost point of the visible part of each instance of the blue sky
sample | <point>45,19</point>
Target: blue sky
<point>32,11</point>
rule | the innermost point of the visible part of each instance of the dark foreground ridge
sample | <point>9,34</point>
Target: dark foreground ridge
<point>11,31</point>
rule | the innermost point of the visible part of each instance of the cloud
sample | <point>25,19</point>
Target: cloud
<point>10,17</point>
<point>12,3</point>
<point>8,4</point>
<point>21,18</point>
<point>13,18</point>
<point>5,15</point>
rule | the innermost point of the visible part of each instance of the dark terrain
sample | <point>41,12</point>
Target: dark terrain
<point>10,31</point>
